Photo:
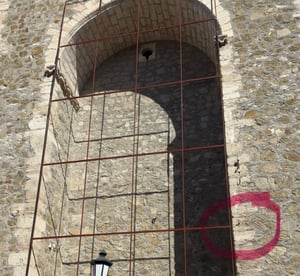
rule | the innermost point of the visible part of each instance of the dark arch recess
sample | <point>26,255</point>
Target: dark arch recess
<point>115,27</point>
<point>204,170</point>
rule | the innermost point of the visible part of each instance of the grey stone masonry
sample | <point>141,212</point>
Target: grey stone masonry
<point>23,42</point>
<point>265,45</point>
<point>260,79</point>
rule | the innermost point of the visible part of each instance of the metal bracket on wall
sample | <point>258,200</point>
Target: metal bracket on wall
<point>222,40</point>
<point>61,80</point>
<point>66,89</point>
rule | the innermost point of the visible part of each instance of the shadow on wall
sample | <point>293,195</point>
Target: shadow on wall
<point>199,171</point>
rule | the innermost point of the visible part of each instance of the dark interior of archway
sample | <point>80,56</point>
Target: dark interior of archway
<point>203,173</point>
<point>116,27</point>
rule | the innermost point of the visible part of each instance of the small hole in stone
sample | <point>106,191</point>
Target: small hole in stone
<point>147,53</point>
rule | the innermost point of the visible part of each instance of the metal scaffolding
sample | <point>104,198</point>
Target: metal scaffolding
<point>183,149</point>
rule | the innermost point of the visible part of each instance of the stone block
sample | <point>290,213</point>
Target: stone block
<point>18,259</point>
<point>283,32</point>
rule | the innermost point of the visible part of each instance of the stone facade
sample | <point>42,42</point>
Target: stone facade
<point>261,104</point>
<point>23,44</point>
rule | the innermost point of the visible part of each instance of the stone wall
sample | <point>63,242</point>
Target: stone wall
<point>111,195</point>
<point>23,112</point>
<point>265,139</point>
<point>260,75</point>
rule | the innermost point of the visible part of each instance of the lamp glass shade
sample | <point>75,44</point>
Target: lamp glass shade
<point>101,265</point>
<point>101,270</point>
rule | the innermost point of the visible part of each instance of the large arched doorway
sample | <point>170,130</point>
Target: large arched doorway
<point>144,156</point>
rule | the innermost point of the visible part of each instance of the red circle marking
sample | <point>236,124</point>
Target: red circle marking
<point>258,199</point>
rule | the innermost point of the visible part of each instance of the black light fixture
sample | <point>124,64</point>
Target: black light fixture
<point>147,53</point>
<point>101,265</point>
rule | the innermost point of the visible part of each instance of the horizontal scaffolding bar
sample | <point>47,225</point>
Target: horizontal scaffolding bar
<point>140,88</point>
<point>136,155</point>
<point>183,229</point>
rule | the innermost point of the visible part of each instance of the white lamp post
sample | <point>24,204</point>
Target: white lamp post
<point>101,265</point>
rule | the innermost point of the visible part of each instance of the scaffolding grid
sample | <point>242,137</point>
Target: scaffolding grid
<point>88,170</point>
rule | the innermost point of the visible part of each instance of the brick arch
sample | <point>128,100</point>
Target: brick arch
<point>102,33</point>
<point>73,60</point>
<point>74,22</point>
<point>119,17</point>
<point>83,12</point>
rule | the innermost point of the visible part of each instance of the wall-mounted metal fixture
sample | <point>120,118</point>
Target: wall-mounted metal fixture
<point>222,40</point>
<point>101,265</point>
<point>147,52</point>
<point>53,246</point>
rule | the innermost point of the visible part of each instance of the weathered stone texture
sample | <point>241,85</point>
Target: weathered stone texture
<point>265,45</point>
<point>23,41</point>
<point>260,67</point>
<point>157,193</point>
